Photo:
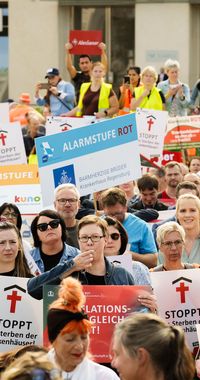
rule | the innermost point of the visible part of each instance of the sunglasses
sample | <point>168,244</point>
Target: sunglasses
<point>114,236</point>
<point>53,224</point>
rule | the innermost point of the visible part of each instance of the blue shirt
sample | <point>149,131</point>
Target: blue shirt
<point>63,103</point>
<point>140,236</point>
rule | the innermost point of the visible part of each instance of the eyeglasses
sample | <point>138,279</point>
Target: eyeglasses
<point>114,236</point>
<point>93,238</point>
<point>63,201</point>
<point>53,224</point>
<point>169,244</point>
<point>10,215</point>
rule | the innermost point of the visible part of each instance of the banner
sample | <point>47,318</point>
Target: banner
<point>151,127</point>
<point>19,184</point>
<point>4,114</point>
<point>93,158</point>
<point>56,124</point>
<point>178,300</point>
<point>105,306</point>
<point>183,132</point>
<point>12,150</point>
<point>21,316</point>
<point>171,156</point>
<point>85,42</point>
<point>124,260</point>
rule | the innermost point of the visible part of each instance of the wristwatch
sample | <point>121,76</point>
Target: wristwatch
<point>59,93</point>
<point>106,112</point>
<point>182,97</point>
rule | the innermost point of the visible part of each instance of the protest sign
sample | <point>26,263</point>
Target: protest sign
<point>85,42</point>
<point>168,156</point>
<point>105,306</point>
<point>21,321</point>
<point>19,184</point>
<point>56,124</point>
<point>4,114</point>
<point>124,260</point>
<point>177,293</point>
<point>12,150</point>
<point>183,132</point>
<point>93,158</point>
<point>151,126</point>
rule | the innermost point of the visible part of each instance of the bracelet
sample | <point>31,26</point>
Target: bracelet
<point>106,112</point>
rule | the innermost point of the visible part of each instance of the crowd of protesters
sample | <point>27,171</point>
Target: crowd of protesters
<point>72,241</point>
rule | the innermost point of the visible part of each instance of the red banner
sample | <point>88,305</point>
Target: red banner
<point>85,42</point>
<point>171,156</point>
<point>105,307</point>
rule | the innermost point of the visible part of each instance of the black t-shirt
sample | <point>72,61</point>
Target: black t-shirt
<point>91,279</point>
<point>78,80</point>
<point>50,261</point>
<point>10,273</point>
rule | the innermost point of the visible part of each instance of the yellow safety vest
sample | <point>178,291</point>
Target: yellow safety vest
<point>103,97</point>
<point>154,101</point>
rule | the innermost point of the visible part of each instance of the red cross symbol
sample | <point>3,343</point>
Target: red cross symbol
<point>3,138</point>
<point>13,298</point>
<point>150,122</point>
<point>182,289</point>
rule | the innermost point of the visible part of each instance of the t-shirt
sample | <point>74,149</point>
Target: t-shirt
<point>91,100</point>
<point>78,80</point>
<point>140,236</point>
<point>50,261</point>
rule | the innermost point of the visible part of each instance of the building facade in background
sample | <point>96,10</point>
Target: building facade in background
<point>136,33</point>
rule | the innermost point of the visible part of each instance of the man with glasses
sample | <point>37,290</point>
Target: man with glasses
<point>67,203</point>
<point>140,237</point>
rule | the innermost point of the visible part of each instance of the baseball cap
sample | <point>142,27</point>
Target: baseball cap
<point>52,72</point>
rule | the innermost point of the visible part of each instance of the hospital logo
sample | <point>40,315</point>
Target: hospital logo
<point>64,175</point>
<point>47,151</point>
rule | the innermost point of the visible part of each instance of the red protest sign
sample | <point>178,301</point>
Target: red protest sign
<point>105,306</point>
<point>85,42</point>
<point>171,156</point>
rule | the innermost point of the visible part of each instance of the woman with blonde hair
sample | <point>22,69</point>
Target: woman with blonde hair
<point>96,97</point>
<point>146,347</point>
<point>188,216</point>
<point>31,366</point>
<point>171,240</point>
<point>68,330</point>
<point>148,95</point>
<point>177,94</point>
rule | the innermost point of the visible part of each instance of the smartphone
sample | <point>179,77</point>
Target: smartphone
<point>44,86</point>
<point>126,79</point>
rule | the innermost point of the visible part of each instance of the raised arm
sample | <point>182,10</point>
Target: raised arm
<point>104,58</point>
<point>69,65</point>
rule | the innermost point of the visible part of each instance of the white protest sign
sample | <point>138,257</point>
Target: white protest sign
<point>19,184</point>
<point>56,124</point>
<point>94,158</point>
<point>21,320</point>
<point>4,114</point>
<point>12,150</point>
<point>122,260</point>
<point>177,294</point>
<point>151,126</point>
